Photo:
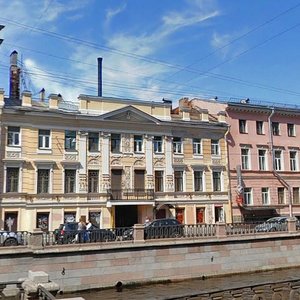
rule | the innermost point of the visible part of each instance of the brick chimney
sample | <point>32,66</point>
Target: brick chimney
<point>14,79</point>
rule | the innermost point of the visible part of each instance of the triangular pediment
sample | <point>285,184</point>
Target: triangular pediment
<point>130,114</point>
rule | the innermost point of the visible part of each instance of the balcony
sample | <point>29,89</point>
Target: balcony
<point>131,194</point>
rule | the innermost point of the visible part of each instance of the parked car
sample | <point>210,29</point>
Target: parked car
<point>9,238</point>
<point>273,224</point>
<point>160,228</point>
<point>68,233</point>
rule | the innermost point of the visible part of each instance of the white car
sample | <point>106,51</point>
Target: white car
<point>8,238</point>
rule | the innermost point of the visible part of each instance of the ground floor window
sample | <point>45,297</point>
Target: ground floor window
<point>11,221</point>
<point>219,214</point>
<point>94,217</point>
<point>42,221</point>
<point>69,216</point>
<point>200,215</point>
<point>180,215</point>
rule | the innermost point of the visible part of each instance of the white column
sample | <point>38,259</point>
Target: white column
<point>105,153</point>
<point>169,156</point>
<point>82,151</point>
<point>149,154</point>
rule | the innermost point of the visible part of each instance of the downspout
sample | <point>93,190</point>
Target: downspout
<point>228,177</point>
<point>277,175</point>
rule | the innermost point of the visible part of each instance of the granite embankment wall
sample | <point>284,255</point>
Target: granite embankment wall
<point>80,267</point>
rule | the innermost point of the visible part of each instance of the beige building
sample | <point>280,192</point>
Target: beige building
<point>113,161</point>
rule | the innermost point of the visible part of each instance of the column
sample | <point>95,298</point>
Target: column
<point>169,164</point>
<point>82,157</point>
<point>149,161</point>
<point>105,145</point>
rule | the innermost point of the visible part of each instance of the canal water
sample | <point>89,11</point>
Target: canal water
<point>189,287</point>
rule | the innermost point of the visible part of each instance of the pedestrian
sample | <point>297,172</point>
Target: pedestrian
<point>147,221</point>
<point>81,235</point>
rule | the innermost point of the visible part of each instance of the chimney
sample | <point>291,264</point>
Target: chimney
<point>14,80</point>
<point>42,95</point>
<point>99,76</point>
<point>26,98</point>
<point>54,101</point>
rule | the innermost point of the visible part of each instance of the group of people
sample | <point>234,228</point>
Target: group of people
<point>83,231</point>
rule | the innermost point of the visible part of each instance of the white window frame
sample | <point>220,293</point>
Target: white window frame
<point>248,196</point>
<point>245,158</point>
<point>45,138</point>
<point>71,142</point>
<point>197,146</point>
<point>243,126</point>
<point>221,180</point>
<point>262,160</point>
<point>183,179</point>
<point>48,166</point>
<point>258,128</point>
<point>13,165</point>
<point>278,161</point>
<point>276,128</point>
<point>177,145</point>
<point>265,195</point>
<point>215,148</point>
<point>138,144</point>
<point>158,145</point>
<point>203,179</point>
<point>293,161</point>
<point>163,180</point>
<point>291,130</point>
<point>15,134</point>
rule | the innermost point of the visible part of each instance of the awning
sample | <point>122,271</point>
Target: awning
<point>259,211</point>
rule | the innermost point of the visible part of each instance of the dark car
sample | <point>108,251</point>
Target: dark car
<point>68,233</point>
<point>160,228</point>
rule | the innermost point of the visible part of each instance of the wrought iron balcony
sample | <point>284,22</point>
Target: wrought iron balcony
<point>131,194</point>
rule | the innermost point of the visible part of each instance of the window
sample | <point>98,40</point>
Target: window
<point>259,127</point>
<point>265,196</point>
<point>296,195</point>
<point>178,180</point>
<point>159,181</point>
<point>215,149</point>
<point>245,159</point>
<point>93,145</point>
<point>197,146</point>
<point>157,144</point>
<point>275,128</point>
<point>293,161</point>
<point>93,179</point>
<point>262,160</point>
<point>242,126</point>
<point>291,130</point>
<point>280,194</point>
<point>70,140</point>
<point>138,143</point>
<point>177,145</point>
<point>216,181</point>
<point>248,196</point>
<point>277,157</point>
<point>198,181</point>
<point>12,180</point>
<point>200,215</point>
<point>13,136</point>
<point>43,180</point>
<point>70,181</point>
<point>44,139</point>
<point>115,143</point>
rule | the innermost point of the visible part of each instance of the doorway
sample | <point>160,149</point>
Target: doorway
<point>126,215</point>
<point>11,221</point>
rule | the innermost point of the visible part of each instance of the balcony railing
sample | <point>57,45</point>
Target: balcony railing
<point>131,194</point>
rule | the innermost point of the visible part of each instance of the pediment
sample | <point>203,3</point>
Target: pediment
<point>130,114</point>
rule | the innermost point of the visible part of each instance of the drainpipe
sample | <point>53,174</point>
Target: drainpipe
<point>273,165</point>
<point>228,177</point>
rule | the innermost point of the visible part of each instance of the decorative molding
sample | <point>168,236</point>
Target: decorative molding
<point>139,162</point>
<point>169,183</point>
<point>70,157</point>
<point>159,162</point>
<point>126,179</point>
<point>106,183</point>
<point>115,162</point>
<point>150,182</point>
<point>94,160</point>
<point>82,183</point>
<point>12,154</point>
<point>126,143</point>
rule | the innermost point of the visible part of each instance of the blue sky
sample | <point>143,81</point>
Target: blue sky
<point>155,49</point>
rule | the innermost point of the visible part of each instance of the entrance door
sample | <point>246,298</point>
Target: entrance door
<point>116,184</point>
<point>11,221</point>
<point>126,215</point>
<point>139,179</point>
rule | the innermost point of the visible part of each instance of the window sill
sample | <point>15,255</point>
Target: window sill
<point>14,148</point>
<point>44,151</point>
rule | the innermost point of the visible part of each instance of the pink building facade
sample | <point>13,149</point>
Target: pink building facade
<point>263,157</point>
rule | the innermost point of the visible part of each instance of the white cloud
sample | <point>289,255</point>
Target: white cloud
<point>112,12</point>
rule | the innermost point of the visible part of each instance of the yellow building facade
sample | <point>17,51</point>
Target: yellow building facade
<point>112,161</point>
